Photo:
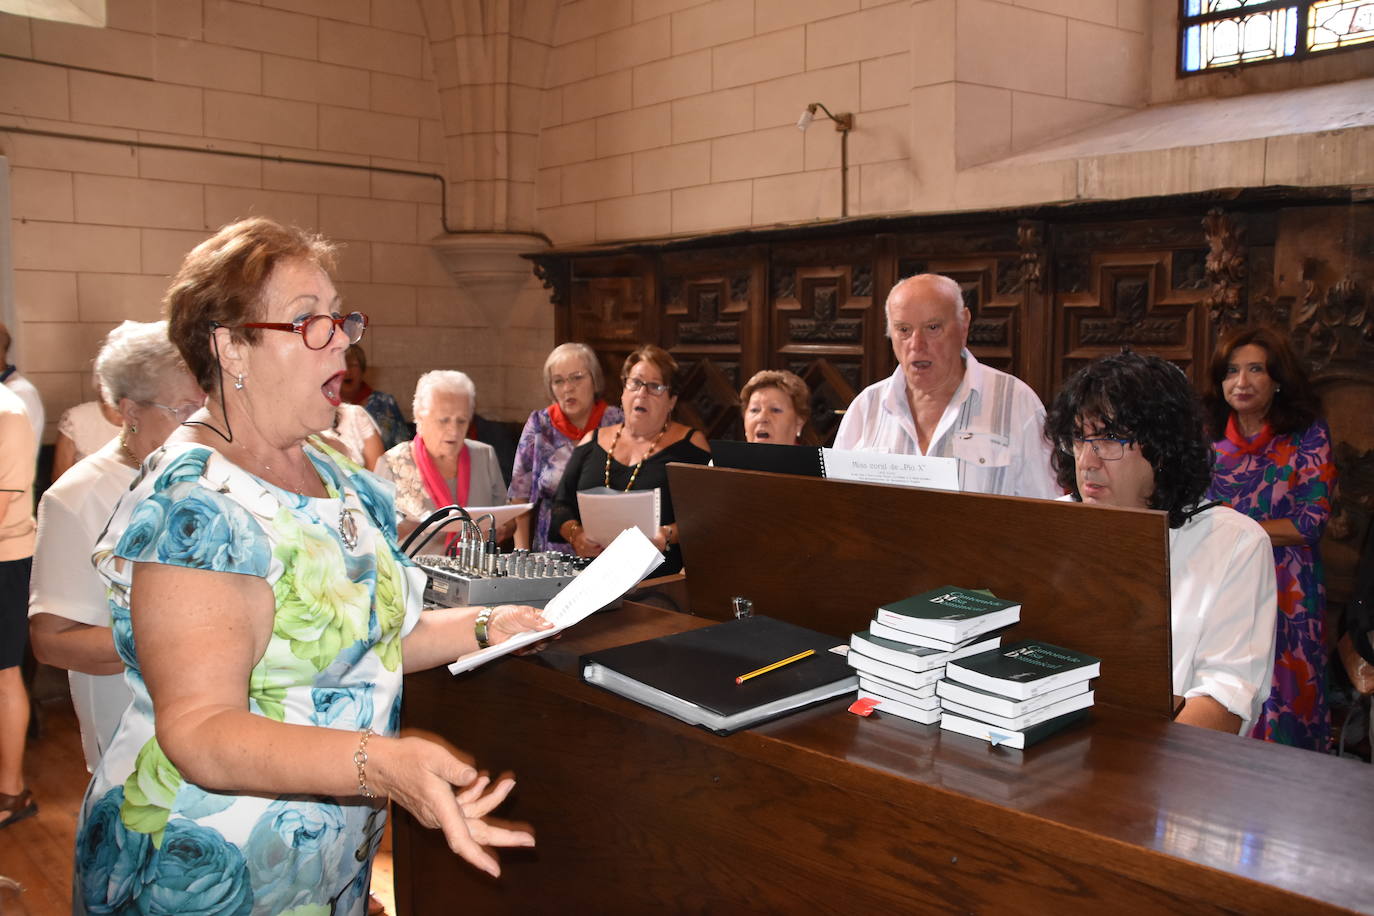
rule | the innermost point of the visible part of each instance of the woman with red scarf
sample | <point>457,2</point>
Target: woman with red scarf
<point>573,377</point>
<point>380,406</point>
<point>441,466</point>
<point>1273,463</point>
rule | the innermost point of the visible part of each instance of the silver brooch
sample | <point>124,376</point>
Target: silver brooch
<point>348,529</point>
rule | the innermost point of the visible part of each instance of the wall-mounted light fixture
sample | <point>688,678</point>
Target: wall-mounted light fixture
<point>844,123</point>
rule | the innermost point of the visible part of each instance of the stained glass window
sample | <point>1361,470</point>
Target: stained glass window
<point>1224,33</point>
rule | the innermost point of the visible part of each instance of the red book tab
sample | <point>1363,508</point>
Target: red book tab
<point>864,706</point>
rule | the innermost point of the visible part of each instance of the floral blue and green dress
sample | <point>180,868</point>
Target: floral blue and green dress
<point>149,841</point>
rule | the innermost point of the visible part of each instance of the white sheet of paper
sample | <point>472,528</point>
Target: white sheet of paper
<point>895,470</point>
<point>619,568</point>
<point>605,512</point>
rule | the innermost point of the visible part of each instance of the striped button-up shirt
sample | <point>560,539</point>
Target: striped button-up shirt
<point>993,425</point>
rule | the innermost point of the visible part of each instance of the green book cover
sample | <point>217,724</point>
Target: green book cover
<point>1024,669</point>
<point>950,613</point>
<point>998,737</point>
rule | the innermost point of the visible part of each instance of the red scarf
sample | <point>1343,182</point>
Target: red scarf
<point>436,487</point>
<point>565,426</point>
<point>1244,446</point>
<point>364,392</point>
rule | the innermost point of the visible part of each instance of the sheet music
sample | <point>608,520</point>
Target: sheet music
<point>895,470</point>
<point>606,512</point>
<point>619,568</point>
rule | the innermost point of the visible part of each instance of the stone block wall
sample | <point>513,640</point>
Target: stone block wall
<point>96,228</point>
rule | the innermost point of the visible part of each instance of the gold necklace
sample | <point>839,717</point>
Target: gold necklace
<point>298,487</point>
<point>652,445</point>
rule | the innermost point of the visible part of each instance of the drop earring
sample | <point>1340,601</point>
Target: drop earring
<point>238,382</point>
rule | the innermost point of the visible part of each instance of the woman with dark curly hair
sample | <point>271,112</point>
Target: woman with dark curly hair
<point>1127,432</point>
<point>1273,463</point>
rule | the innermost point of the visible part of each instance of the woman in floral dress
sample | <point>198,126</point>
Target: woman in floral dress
<point>1273,462</point>
<point>265,617</point>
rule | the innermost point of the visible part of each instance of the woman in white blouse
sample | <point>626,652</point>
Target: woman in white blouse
<point>69,621</point>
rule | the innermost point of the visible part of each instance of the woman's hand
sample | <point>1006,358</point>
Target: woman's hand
<point>509,620</point>
<point>584,545</point>
<point>663,537</point>
<point>426,776</point>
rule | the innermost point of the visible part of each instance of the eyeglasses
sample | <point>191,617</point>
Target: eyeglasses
<point>575,378</point>
<point>1107,448</point>
<point>638,384</point>
<point>317,330</point>
<point>182,413</point>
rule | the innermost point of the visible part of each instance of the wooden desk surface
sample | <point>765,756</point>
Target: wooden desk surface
<point>824,811</point>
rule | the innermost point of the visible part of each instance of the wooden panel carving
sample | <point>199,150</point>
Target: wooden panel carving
<point>830,380</point>
<point>608,309</point>
<point>710,395</point>
<point>705,310</point>
<point>710,322</point>
<point>1048,287</point>
<point>992,294</point>
<point>820,332</point>
<point>1335,336</point>
<point>1132,303</point>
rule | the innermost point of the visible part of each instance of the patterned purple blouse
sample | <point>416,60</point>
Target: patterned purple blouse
<point>1291,477</point>
<point>540,458</point>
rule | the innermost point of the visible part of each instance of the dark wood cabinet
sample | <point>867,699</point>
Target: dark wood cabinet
<point>1049,288</point>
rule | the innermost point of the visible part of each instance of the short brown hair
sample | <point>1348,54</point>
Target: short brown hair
<point>221,282</point>
<point>1295,405</point>
<point>660,359</point>
<point>790,384</point>
<point>357,354</point>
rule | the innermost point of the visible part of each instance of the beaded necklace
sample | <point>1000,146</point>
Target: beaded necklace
<point>653,445</point>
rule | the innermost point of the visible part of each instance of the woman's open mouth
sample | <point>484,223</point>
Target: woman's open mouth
<point>331,389</point>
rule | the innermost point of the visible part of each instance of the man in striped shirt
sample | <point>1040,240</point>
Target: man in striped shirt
<point>941,402</point>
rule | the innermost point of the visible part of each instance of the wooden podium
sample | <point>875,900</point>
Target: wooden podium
<point>824,811</point>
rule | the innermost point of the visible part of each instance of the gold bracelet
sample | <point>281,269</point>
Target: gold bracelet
<point>360,761</point>
<point>480,628</point>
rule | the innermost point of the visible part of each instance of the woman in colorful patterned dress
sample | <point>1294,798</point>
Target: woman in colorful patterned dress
<point>1273,462</point>
<point>573,376</point>
<point>265,617</point>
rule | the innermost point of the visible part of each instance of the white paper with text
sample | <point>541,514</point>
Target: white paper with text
<point>894,470</point>
<point>619,568</point>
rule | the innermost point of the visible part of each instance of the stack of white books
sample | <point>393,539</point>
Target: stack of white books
<point>902,655</point>
<point>1017,695</point>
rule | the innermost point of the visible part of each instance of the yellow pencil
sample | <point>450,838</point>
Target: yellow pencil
<point>767,668</point>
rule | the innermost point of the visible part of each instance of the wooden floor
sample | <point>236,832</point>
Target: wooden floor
<point>38,852</point>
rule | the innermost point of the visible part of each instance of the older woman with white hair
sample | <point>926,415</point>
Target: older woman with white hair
<point>441,466</point>
<point>143,376</point>
<point>573,377</point>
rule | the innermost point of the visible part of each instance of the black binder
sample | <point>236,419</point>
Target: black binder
<point>691,676</point>
<point>802,460</point>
